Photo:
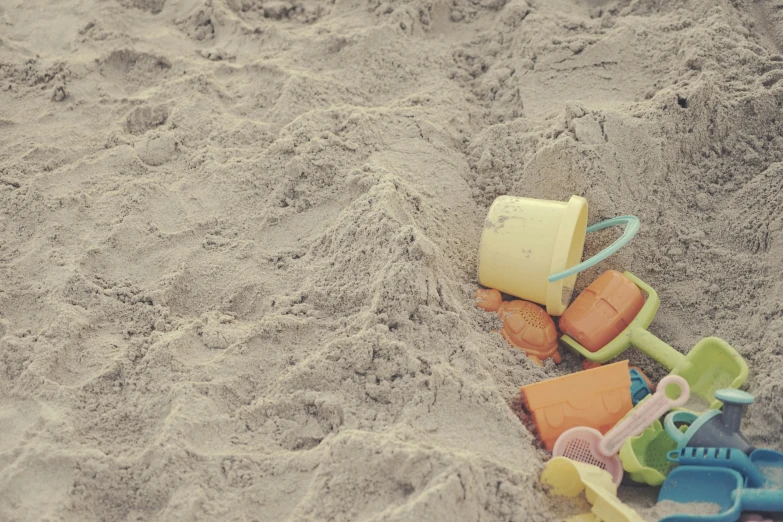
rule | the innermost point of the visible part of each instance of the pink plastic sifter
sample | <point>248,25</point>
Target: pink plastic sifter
<point>587,445</point>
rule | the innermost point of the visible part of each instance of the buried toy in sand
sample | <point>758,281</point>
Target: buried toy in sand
<point>588,445</point>
<point>525,325</point>
<point>606,319</point>
<point>532,249</point>
<point>605,421</point>
<point>592,398</point>
<point>567,478</point>
<point>718,465</point>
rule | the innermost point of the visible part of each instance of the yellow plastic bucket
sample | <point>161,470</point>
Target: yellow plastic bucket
<point>532,248</point>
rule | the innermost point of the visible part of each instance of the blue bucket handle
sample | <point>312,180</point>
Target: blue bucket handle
<point>631,228</point>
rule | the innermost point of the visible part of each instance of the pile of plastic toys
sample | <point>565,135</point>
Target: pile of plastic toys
<point>608,424</point>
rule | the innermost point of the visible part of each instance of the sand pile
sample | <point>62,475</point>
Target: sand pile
<point>238,239</point>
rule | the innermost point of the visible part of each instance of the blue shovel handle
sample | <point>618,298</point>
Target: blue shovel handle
<point>731,458</point>
<point>631,228</point>
<point>763,500</point>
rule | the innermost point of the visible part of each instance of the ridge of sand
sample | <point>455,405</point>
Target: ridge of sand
<point>238,239</point>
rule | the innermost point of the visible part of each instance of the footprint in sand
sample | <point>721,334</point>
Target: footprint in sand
<point>157,149</point>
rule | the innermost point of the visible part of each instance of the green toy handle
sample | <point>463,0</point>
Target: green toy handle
<point>671,429</point>
<point>631,228</point>
<point>658,350</point>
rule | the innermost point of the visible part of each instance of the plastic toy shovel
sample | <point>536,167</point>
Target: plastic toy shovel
<point>564,477</point>
<point>763,468</point>
<point>710,365</point>
<point>587,445</point>
<point>721,486</point>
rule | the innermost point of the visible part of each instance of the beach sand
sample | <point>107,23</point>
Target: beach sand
<point>238,239</point>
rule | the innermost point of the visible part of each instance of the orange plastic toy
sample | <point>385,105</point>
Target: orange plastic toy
<point>525,325</point>
<point>596,398</point>
<point>602,311</point>
<point>589,365</point>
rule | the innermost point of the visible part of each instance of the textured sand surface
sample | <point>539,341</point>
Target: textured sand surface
<point>238,239</point>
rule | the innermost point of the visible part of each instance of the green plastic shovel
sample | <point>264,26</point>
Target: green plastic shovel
<point>711,365</point>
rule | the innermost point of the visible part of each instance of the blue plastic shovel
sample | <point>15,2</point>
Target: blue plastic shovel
<point>721,486</point>
<point>762,468</point>
<point>731,458</point>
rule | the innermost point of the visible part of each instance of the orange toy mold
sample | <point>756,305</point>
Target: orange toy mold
<point>602,311</point>
<point>525,325</point>
<point>596,398</point>
<point>489,299</point>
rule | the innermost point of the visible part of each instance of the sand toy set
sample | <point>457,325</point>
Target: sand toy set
<point>609,424</point>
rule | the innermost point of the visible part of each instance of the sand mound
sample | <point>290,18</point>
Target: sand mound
<point>238,239</point>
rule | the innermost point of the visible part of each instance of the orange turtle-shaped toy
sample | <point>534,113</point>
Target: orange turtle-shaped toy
<point>525,325</point>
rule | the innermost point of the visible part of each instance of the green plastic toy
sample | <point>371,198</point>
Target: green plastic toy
<point>644,457</point>
<point>711,365</point>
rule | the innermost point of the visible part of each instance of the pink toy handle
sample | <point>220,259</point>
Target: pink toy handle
<point>644,415</point>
